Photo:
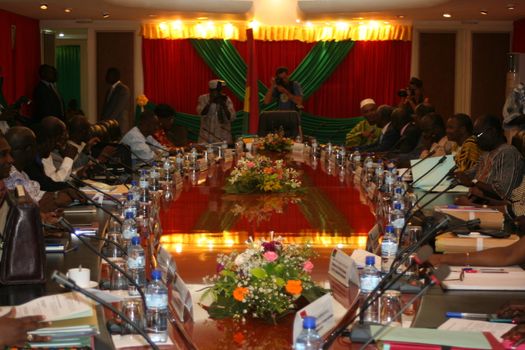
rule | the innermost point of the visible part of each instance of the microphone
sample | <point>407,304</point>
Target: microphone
<point>113,198</point>
<point>422,255</point>
<point>101,166</point>
<point>430,154</point>
<point>119,162</point>
<point>430,170</point>
<point>435,278</point>
<point>70,284</point>
<point>81,238</point>
<point>119,247</point>
<point>157,147</point>
<point>92,202</point>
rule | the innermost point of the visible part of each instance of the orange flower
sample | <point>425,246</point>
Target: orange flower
<point>294,287</point>
<point>240,293</point>
<point>238,338</point>
<point>268,170</point>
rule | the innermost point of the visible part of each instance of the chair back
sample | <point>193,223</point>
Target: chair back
<point>275,121</point>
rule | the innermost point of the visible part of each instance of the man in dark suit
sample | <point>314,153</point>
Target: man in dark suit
<point>116,105</point>
<point>408,131</point>
<point>389,135</point>
<point>46,98</point>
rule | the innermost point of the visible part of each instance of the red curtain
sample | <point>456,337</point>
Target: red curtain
<point>174,73</point>
<point>518,36</point>
<point>19,54</point>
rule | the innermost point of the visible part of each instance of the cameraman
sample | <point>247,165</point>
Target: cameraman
<point>288,93</point>
<point>216,110</point>
<point>413,95</point>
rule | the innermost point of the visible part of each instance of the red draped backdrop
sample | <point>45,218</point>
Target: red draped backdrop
<point>518,36</point>
<point>19,54</point>
<point>174,73</point>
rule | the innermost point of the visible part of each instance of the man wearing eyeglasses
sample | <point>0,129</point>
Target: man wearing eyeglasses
<point>500,167</point>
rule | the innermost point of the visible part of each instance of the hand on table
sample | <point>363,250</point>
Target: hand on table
<point>512,310</point>
<point>13,331</point>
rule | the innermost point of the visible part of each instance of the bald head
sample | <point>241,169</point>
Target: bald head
<point>23,146</point>
<point>78,128</point>
<point>51,133</point>
<point>149,123</point>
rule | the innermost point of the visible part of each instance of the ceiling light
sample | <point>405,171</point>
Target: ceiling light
<point>400,16</point>
<point>447,15</point>
<point>68,10</point>
<point>105,15</point>
<point>202,18</point>
<point>511,7</point>
<point>61,35</point>
<point>297,20</point>
<point>43,6</point>
<point>309,24</point>
<point>483,12</point>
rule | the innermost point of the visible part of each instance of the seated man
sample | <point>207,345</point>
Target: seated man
<point>459,130</point>
<point>143,146</point>
<point>22,142</point>
<point>168,135</point>
<point>433,137</point>
<point>389,136</point>
<point>366,131</point>
<point>408,132</point>
<point>52,133</point>
<point>499,170</point>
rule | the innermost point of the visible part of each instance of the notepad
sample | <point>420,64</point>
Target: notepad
<point>426,182</point>
<point>513,280</point>
<point>461,324</point>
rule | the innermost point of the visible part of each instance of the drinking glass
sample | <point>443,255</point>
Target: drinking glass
<point>118,280</point>
<point>132,308</point>
<point>390,308</point>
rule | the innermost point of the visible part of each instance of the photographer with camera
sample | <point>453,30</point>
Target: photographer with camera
<point>288,93</point>
<point>216,110</point>
<point>412,95</point>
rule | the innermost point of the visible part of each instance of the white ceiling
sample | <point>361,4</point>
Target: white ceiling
<point>241,9</point>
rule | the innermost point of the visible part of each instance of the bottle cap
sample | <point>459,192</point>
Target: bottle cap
<point>370,260</point>
<point>399,190</point>
<point>309,322</point>
<point>130,196</point>
<point>389,229</point>
<point>129,215</point>
<point>397,206</point>
<point>135,240</point>
<point>133,182</point>
<point>156,275</point>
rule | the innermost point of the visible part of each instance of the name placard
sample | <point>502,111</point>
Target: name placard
<point>228,155</point>
<point>343,268</point>
<point>181,299</point>
<point>298,147</point>
<point>323,311</point>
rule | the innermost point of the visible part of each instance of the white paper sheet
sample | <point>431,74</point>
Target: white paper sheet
<point>460,324</point>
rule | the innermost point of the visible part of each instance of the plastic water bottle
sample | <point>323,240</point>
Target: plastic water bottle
<point>399,198</point>
<point>143,179</point>
<point>398,219</point>
<point>136,265</point>
<point>388,249</point>
<point>129,229</point>
<point>389,181</point>
<point>157,308</point>
<point>356,158</point>
<point>130,206</point>
<point>168,169</point>
<point>179,162</point>
<point>379,173</point>
<point>369,279</point>
<point>154,178</point>
<point>134,190</point>
<point>308,339</point>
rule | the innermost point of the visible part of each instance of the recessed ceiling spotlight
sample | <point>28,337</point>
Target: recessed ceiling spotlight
<point>68,10</point>
<point>203,18</point>
<point>483,12</point>
<point>105,15</point>
<point>61,35</point>
<point>511,7</point>
<point>400,16</point>
<point>447,15</point>
<point>43,6</point>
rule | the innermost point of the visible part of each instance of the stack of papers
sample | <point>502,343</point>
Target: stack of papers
<point>510,278</point>
<point>464,325</point>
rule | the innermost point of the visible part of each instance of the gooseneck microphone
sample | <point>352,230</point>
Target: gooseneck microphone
<point>435,279</point>
<point>440,161</point>
<point>157,147</point>
<point>430,154</point>
<point>70,284</point>
<point>92,202</point>
<point>67,225</point>
<point>109,241</point>
<point>83,183</point>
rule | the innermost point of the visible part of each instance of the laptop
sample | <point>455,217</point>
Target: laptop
<point>425,181</point>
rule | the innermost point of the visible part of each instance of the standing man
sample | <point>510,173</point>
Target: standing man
<point>288,93</point>
<point>46,98</point>
<point>217,113</point>
<point>366,131</point>
<point>116,104</point>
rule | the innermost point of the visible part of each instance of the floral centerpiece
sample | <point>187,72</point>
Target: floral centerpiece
<point>261,174</point>
<point>262,207</point>
<point>276,143</point>
<point>265,281</point>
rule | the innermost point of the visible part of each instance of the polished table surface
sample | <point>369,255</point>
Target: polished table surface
<point>204,221</point>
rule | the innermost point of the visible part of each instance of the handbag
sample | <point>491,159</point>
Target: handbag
<point>23,257</point>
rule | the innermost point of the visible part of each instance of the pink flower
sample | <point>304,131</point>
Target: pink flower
<point>308,266</point>
<point>270,256</point>
<point>250,164</point>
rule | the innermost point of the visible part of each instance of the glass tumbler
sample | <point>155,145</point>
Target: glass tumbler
<point>390,308</point>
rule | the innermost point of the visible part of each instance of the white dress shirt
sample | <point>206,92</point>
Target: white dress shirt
<point>140,150</point>
<point>63,171</point>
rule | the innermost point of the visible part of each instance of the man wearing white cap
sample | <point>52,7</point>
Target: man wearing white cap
<point>365,132</point>
<point>217,113</point>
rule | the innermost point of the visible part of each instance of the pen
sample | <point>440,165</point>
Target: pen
<point>502,320</point>
<point>469,315</point>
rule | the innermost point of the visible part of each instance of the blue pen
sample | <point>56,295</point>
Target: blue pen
<point>469,315</point>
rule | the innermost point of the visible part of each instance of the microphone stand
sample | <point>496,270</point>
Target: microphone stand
<point>430,170</point>
<point>92,202</point>
<point>81,238</point>
<point>442,272</point>
<point>70,284</point>
<point>83,183</point>
<point>157,147</point>
<point>108,174</point>
<point>118,162</point>
<point>119,247</point>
